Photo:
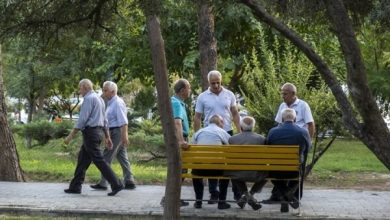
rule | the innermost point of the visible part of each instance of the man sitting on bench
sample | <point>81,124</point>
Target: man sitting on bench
<point>212,134</point>
<point>288,133</point>
<point>239,178</point>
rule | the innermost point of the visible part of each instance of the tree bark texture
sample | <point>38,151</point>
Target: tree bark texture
<point>173,185</point>
<point>207,41</point>
<point>375,133</point>
<point>372,132</point>
<point>10,169</point>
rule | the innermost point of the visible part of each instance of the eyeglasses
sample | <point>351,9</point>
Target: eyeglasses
<point>215,83</point>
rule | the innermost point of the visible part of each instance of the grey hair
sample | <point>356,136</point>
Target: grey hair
<point>180,84</point>
<point>214,119</point>
<point>288,114</point>
<point>86,83</point>
<point>247,123</point>
<point>111,86</point>
<point>290,87</point>
<point>214,73</point>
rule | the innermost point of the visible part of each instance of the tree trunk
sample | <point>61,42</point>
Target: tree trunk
<point>207,41</point>
<point>173,185</point>
<point>10,169</point>
<point>373,132</point>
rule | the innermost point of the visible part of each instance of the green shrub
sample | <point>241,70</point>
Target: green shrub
<point>43,131</point>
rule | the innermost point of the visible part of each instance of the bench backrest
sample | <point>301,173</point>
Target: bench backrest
<point>242,157</point>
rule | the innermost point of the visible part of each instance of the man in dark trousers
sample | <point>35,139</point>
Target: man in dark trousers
<point>288,133</point>
<point>92,123</point>
<point>247,137</point>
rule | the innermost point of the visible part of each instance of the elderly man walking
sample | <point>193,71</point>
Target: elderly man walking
<point>116,113</point>
<point>92,123</point>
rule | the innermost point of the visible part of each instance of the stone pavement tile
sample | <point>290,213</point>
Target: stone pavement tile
<point>145,201</point>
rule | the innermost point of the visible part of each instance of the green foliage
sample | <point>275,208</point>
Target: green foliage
<point>43,131</point>
<point>149,138</point>
<point>264,75</point>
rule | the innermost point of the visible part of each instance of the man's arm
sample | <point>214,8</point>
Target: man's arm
<point>71,135</point>
<point>197,120</point>
<point>107,138</point>
<point>312,129</point>
<point>124,136</point>
<point>179,134</point>
<point>236,117</point>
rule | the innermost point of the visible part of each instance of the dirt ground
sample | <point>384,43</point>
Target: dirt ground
<point>345,180</point>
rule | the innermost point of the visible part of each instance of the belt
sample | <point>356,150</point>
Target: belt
<point>112,128</point>
<point>89,127</point>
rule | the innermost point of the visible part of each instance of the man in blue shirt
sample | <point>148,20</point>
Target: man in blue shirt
<point>116,113</point>
<point>182,90</point>
<point>288,133</point>
<point>92,123</point>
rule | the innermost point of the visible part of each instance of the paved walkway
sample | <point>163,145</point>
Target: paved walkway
<point>49,199</point>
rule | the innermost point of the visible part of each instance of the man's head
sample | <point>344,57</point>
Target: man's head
<point>288,114</point>
<point>215,81</point>
<point>110,89</point>
<point>247,123</point>
<point>182,88</point>
<point>289,92</point>
<point>85,85</point>
<point>216,119</point>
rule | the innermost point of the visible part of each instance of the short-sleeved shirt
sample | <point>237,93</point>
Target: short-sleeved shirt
<point>212,134</point>
<point>92,112</point>
<point>209,104</point>
<point>302,110</point>
<point>179,112</point>
<point>116,112</point>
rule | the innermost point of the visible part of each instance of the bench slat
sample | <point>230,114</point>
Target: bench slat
<point>189,175</point>
<point>245,148</point>
<point>238,161</point>
<point>238,155</point>
<point>241,167</point>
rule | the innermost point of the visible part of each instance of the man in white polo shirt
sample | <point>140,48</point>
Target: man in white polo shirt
<point>217,100</point>
<point>304,119</point>
<point>290,100</point>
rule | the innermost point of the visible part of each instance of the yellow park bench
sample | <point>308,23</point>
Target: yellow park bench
<point>241,157</point>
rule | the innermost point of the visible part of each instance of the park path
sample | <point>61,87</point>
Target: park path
<point>41,198</point>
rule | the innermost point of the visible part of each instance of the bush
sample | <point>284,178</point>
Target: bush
<point>43,131</point>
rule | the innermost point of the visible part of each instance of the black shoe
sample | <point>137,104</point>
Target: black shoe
<point>198,204</point>
<point>223,205</point>
<point>272,200</point>
<point>284,207</point>
<point>98,186</point>
<point>72,191</point>
<point>183,203</point>
<point>115,191</point>
<point>130,185</point>
<point>254,204</point>
<point>242,201</point>
<point>213,198</point>
<point>294,203</point>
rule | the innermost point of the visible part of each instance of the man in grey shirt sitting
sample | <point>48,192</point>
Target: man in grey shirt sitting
<point>247,137</point>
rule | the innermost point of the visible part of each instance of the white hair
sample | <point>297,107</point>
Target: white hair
<point>288,114</point>
<point>290,87</point>
<point>86,83</point>
<point>111,86</point>
<point>247,123</point>
<point>214,73</point>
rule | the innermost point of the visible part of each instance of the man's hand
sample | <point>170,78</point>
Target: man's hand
<point>183,145</point>
<point>109,143</point>
<point>67,139</point>
<point>125,141</point>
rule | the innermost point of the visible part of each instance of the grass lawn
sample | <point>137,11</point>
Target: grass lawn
<point>342,165</point>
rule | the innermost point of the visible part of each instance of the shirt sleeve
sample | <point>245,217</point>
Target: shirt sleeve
<point>278,117</point>
<point>85,112</point>
<point>308,117</point>
<point>177,110</point>
<point>199,104</point>
<point>121,114</point>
